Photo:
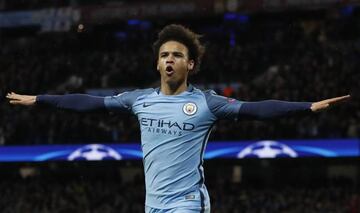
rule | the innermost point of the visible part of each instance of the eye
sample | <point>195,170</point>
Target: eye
<point>178,55</point>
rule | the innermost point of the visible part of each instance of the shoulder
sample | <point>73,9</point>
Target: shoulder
<point>205,93</point>
<point>138,92</point>
<point>222,107</point>
<point>132,96</point>
<point>208,93</point>
<point>128,98</point>
<point>135,93</point>
<point>211,95</point>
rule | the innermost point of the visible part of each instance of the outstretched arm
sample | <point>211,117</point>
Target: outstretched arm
<point>76,102</point>
<point>274,108</point>
<point>228,108</point>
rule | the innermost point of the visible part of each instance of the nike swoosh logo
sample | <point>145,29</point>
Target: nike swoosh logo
<point>146,105</point>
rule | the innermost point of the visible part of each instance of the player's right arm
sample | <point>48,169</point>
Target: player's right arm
<point>75,102</point>
<point>82,102</point>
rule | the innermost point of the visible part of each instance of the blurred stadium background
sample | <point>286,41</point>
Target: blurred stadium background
<point>292,50</point>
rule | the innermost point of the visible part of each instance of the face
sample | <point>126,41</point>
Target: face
<point>173,63</point>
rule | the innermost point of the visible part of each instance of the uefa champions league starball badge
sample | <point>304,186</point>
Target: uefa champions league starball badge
<point>94,152</point>
<point>190,108</point>
<point>267,149</point>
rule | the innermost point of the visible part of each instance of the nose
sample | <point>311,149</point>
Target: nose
<point>169,62</point>
<point>170,59</point>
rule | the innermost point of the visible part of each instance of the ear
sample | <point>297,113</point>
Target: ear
<point>191,65</point>
<point>157,66</point>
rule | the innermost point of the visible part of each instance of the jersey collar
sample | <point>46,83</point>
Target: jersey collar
<point>189,88</point>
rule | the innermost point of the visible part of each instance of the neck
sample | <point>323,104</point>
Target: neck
<point>173,88</point>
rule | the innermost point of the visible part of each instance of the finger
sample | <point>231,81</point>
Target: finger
<point>15,96</point>
<point>15,102</point>
<point>11,97</point>
<point>338,99</point>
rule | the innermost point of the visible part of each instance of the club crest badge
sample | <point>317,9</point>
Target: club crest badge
<point>190,108</point>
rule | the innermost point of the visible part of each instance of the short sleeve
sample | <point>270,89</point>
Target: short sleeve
<point>123,102</point>
<point>222,107</point>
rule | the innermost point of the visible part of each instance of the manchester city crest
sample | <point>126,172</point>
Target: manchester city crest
<point>189,108</point>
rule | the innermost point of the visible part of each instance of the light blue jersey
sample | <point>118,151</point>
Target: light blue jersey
<point>174,133</point>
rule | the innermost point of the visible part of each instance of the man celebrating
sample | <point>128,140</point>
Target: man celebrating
<point>175,121</point>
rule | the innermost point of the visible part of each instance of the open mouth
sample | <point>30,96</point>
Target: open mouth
<point>169,70</point>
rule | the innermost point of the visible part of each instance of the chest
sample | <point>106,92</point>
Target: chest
<point>184,114</point>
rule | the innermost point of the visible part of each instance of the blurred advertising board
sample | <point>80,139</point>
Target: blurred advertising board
<point>215,150</point>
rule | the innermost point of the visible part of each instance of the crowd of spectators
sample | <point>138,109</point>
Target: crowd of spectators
<point>296,59</point>
<point>45,196</point>
<point>21,5</point>
<point>70,195</point>
<point>302,59</point>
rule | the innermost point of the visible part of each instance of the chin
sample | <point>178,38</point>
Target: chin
<point>172,81</point>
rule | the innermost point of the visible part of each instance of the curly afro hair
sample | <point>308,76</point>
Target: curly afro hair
<point>179,33</point>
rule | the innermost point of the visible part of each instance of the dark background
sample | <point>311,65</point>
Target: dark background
<point>254,53</point>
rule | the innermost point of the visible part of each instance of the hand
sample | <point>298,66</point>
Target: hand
<point>321,105</point>
<point>26,100</point>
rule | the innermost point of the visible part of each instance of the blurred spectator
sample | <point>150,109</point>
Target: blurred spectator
<point>298,60</point>
<point>43,195</point>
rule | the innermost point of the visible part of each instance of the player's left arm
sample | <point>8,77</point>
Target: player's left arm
<point>274,108</point>
<point>228,108</point>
